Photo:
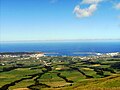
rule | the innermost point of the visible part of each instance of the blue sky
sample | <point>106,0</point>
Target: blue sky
<point>59,19</point>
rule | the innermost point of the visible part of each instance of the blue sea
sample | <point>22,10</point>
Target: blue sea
<point>62,48</point>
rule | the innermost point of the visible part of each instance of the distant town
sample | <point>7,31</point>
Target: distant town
<point>28,55</point>
<point>22,55</point>
<point>38,55</point>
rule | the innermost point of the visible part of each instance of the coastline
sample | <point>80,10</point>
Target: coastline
<point>39,54</point>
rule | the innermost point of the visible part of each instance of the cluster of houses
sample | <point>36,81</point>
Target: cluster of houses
<point>24,55</point>
<point>27,55</point>
<point>113,54</point>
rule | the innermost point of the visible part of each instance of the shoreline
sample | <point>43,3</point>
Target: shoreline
<point>39,54</point>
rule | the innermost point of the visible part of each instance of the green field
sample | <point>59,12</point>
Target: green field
<point>60,73</point>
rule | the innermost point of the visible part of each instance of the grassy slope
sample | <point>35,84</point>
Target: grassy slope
<point>108,83</point>
<point>80,82</point>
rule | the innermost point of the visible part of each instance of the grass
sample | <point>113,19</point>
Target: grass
<point>89,72</point>
<point>10,76</point>
<point>73,75</point>
<point>50,77</point>
<point>22,84</point>
<point>108,83</point>
<point>80,82</point>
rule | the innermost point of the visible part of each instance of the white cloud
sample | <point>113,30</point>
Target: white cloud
<point>90,1</point>
<point>86,12</point>
<point>117,6</point>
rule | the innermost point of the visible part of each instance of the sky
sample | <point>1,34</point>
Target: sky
<point>59,19</point>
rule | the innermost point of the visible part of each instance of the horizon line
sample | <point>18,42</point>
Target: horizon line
<point>58,40</point>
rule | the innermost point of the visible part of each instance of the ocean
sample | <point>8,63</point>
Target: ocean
<point>62,48</point>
